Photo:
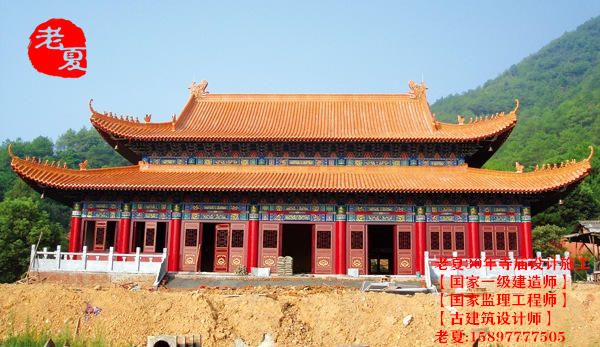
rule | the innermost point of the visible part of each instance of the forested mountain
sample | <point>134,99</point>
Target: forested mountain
<point>559,117</point>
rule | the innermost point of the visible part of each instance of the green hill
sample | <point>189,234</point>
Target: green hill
<point>559,91</point>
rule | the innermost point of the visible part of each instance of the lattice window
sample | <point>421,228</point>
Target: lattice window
<point>100,236</point>
<point>356,240</point>
<point>237,238</point>
<point>270,239</point>
<point>323,239</point>
<point>435,240</point>
<point>447,240</point>
<point>488,243</point>
<point>512,241</point>
<point>500,243</point>
<point>460,240</point>
<point>404,240</point>
<point>222,238</point>
<point>191,237</point>
<point>149,237</point>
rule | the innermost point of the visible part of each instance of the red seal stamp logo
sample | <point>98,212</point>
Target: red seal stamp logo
<point>57,48</point>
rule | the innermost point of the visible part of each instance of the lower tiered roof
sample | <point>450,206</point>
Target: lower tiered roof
<point>409,179</point>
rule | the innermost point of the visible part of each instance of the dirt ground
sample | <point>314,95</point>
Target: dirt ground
<point>301,316</point>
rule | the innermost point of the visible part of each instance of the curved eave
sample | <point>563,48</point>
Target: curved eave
<point>346,179</point>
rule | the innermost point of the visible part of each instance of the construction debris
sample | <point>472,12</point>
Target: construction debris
<point>285,266</point>
<point>90,311</point>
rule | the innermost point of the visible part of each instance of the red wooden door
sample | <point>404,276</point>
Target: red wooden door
<point>357,247</point>
<point>322,248</point>
<point>191,236</point>
<point>403,247</point>
<point>236,249</point>
<point>221,248</point>
<point>499,239</point>
<point>269,241</point>
<point>445,238</point>
<point>149,237</point>
<point>100,236</point>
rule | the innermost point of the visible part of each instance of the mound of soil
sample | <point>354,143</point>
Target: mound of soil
<point>294,316</point>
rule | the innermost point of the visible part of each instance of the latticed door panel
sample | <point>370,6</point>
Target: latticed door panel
<point>100,236</point>
<point>443,239</point>
<point>323,249</point>
<point>221,263</point>
<point>497,240</point>
<point>269,239</point>
<point>237,255</point>
<point>149,237</point>
<point>356,246</point>
<point>191,236</point>
<point>404,246</point>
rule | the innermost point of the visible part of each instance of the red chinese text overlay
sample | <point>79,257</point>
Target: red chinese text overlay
<point>57,48</point>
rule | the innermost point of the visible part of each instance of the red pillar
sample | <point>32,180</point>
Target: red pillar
<point>124,226</point>
<point>420,244</point>
<point>75,234</point>
<point>252,258</point>
<point>526,239</point>
<point>174,239</point>
<point>340,241</point>
<point>473,226</point>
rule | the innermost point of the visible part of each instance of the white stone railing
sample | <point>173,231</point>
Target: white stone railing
<point>499,267</point>
<point>111,262</point>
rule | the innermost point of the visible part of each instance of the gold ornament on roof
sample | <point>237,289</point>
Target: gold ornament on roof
<point>83,165</point>
<point>417,91</point>
<point>198,89</point>
<point>519,168</point>
<point>147,118</point>
<point>461,120</point>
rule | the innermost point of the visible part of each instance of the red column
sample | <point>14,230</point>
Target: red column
<point>174,239</point>
<point>526,239</point>
<point>252,258</point>
<point>340,241</point>
<point>124,226</point>
<point>75,234</point>
<point>473,226</point>
<point>420,243</point>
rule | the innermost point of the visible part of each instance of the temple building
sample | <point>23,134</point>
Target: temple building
<point>336,181</point>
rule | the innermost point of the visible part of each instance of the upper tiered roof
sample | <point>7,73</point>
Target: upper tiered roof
<point>304,117</point>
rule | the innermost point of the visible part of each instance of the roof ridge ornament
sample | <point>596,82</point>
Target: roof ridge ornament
<point>591,153</point>
<point>417,91</point>
<point>516,109</point>
<point>83,165</point>
<point>198,89</point>
<point>519,168</point>
<point>91,107</point>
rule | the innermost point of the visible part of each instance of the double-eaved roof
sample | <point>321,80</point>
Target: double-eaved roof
<point>310,117</point>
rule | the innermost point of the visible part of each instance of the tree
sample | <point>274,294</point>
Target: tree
<point>547,239</point>
<point>21,222</point>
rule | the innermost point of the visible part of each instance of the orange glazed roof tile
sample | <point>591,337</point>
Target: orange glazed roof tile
<point>459,179</point>
<point>305,117</point>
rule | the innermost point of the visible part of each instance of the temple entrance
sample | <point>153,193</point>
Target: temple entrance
<point>380,252</point>
<point>100,235</point>
<point>150,236</point>
<point>296,243</point>
<point>207,248</point>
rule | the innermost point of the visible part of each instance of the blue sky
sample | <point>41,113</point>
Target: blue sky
<point>143,55</point>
